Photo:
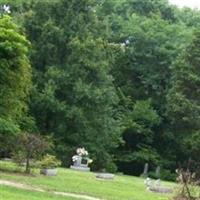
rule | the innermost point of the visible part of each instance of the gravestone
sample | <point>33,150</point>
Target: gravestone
<point>161,189</point>
<point>145,171</point>
<point>148,182</point>
<point>78,165</point>
<point>7,159</point>
<point>78,161</point>
<point>155,186</point>
<point>157,183</point>
<point>158,172</point>
<point>105,176</point>
<point>81,160</point>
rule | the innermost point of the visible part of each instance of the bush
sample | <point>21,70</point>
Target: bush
<point>166,175</point>
<point>30,147</point>
<point>49,162</point>
<point>188,184</point>
<point>19,158</point>
<point>152,175</point>
<point>111,167</point>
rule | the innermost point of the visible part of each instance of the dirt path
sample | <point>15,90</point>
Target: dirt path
<point>32,188</point>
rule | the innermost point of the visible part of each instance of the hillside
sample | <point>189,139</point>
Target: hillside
<point>121,188</point>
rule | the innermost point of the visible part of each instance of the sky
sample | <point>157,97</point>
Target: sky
<point>188,3</point>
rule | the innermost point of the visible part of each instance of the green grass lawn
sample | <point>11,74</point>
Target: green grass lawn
<point>121,188</point>
<point>10,193</point>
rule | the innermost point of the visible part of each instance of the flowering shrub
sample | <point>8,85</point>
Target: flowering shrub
<point>49,162</point>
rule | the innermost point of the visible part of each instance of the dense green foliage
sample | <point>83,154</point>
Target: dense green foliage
<point>184,100</point>
<point>120,78</point>
<point>15,71</point>
<point>15,80</point>
<point>74,97</point>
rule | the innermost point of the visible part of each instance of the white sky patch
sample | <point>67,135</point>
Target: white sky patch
<point>187,3</point>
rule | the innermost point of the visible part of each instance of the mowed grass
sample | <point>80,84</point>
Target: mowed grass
<point>121,188</point>
<point>10,193</point>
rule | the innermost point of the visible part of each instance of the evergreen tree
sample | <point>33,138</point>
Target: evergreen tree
<point>74,97</point>
<point>184,101</point>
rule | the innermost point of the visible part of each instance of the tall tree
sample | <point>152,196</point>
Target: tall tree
<point>141,72</point>
<point>15,73</point>
<point>74,96</point>
<point>183,101</point>
<point>78,59</point>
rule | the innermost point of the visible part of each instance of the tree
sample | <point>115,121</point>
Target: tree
<point>74,96</point>
<point>183,101</point>
<point>15,81</point>
<point>141,71</point>
<point>96,64</point>
<point>15,70</point>
<point>30,146</point>
<point>138,137</point>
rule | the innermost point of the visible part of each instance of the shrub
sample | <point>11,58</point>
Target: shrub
<point>189,180</point>
<point>18,158</point>
<point>188,185</point>
<point>30,146</point>
<point>49,162</point>
<point>111,167</point>
<point>165,174</point>
<point>168,175</point>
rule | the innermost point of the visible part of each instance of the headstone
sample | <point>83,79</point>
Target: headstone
<point>157,183</point>
<point>158,172</point>
<point>148,182</point>
<point>7,159</point>
<point>106,176</point>
<point>161,189</point>
<point>155,186</point>
<point>145,172</point>
<point>77,160</point>
<point>81,160</point>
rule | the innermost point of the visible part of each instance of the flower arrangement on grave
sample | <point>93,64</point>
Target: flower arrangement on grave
<point>48,165</point>
<point>49,162</point>
<point>5,9</point>
<point>83,153</point>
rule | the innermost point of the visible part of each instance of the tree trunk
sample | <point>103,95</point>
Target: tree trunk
<point>28,163</point>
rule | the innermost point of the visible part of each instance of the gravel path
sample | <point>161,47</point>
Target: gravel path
<point>32,188</point>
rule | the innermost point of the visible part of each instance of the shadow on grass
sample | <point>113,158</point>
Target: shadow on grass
<point>12,168</point>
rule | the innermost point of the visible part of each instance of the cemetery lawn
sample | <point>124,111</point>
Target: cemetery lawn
<point>10,193</point>
<point>121,188</point>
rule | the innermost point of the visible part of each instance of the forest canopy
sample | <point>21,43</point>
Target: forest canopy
<point>120,78</point>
